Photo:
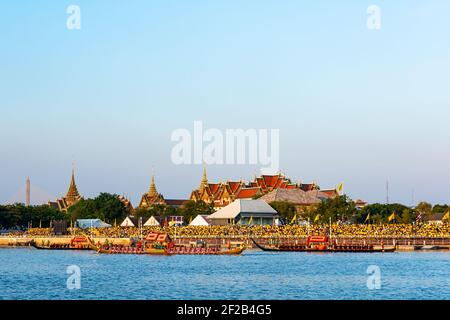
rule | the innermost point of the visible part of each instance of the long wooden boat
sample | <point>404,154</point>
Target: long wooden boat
<point>151,249</point>
<point>321,244</point>
<point>133,250</point>
<point>161,244</point>
<point>205,251</point>
<point>76,243</point>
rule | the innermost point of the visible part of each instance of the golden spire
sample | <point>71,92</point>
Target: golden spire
<point>72,194</point>
<point>152,192</point>
<point>204,182</point>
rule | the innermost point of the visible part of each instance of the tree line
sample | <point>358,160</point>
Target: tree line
<point>106,207</point>
<point>110,209</point>
<point>344,210</point>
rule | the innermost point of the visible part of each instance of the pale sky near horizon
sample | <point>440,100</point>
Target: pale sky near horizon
<point>353,105</point>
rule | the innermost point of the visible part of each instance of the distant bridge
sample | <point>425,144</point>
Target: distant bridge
<point>37,196</point>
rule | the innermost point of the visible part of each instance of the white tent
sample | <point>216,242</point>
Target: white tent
<point>129,222</point>
<point>245,212</point>
<point>200,220</point>
<point>151,222</point>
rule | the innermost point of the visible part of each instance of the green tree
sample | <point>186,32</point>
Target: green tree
<point>340,208</point>
<point>379,213</point>
<point>106,206</point>
<point>83,209</point>
<point>407,216</point>
<point>19,215</point>
<point>109,207</point>
<point>425,210</point>
<point>441,208</point>
<point>285,209</point>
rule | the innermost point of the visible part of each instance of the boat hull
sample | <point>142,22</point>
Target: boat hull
<point>160,252</point>
<point>43,247</point>
<point>234,251</point>
<point>304,249</point>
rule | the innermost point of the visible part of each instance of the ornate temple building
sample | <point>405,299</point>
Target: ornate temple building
<point>223,193</point>
<point>72,196</point>
<point>153,197</point>
<point>126,202</point>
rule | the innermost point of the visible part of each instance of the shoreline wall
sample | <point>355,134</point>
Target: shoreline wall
<point>224,240</point>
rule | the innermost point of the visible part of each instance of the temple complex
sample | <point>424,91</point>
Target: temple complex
<point>223,193</point>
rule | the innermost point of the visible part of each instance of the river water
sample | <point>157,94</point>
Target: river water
<point>27,273</point>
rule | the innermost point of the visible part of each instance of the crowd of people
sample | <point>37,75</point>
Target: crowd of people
<point>345,230</point>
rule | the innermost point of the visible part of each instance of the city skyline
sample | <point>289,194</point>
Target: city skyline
<point>352,105</point>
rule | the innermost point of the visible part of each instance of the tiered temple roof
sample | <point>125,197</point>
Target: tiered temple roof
<point>223,193</point>
<point>153,197</point>
<point>72,196</point>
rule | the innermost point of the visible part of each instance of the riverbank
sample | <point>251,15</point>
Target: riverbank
<point>403,244</point>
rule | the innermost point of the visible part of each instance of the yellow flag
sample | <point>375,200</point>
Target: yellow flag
<point>171,223</point>
<point>391,217</point>
<point>294,218</point>
<point>317,218</point>
<point>340,188</point>
<point>251,220</point>
<point>190,220</point>
<point>368,217</point>
<point>446,216</point>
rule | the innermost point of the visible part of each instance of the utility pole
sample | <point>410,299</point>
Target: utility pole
<point>387,191</point>
<point>28,193</point>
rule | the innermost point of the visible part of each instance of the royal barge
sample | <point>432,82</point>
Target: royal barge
<point>322,244</point>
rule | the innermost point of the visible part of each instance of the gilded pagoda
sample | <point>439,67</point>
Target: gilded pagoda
<point>72,196</point>
<point>153,197</point>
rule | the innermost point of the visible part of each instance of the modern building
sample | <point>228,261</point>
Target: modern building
<point>245,212</point>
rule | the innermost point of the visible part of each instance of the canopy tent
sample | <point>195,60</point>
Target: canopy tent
<point>92,223</point>
<point>200,220</point>
<point>130,221</point>
<point>152,221</point>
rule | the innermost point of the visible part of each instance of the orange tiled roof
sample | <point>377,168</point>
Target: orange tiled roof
<point>234,186</point>
<point>214,187</point>
<point>271,181</point>
<point>245,193</point>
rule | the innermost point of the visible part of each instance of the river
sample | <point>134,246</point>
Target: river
<point>27,273</point>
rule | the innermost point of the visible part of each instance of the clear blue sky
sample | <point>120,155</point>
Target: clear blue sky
<point>352,105</point>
